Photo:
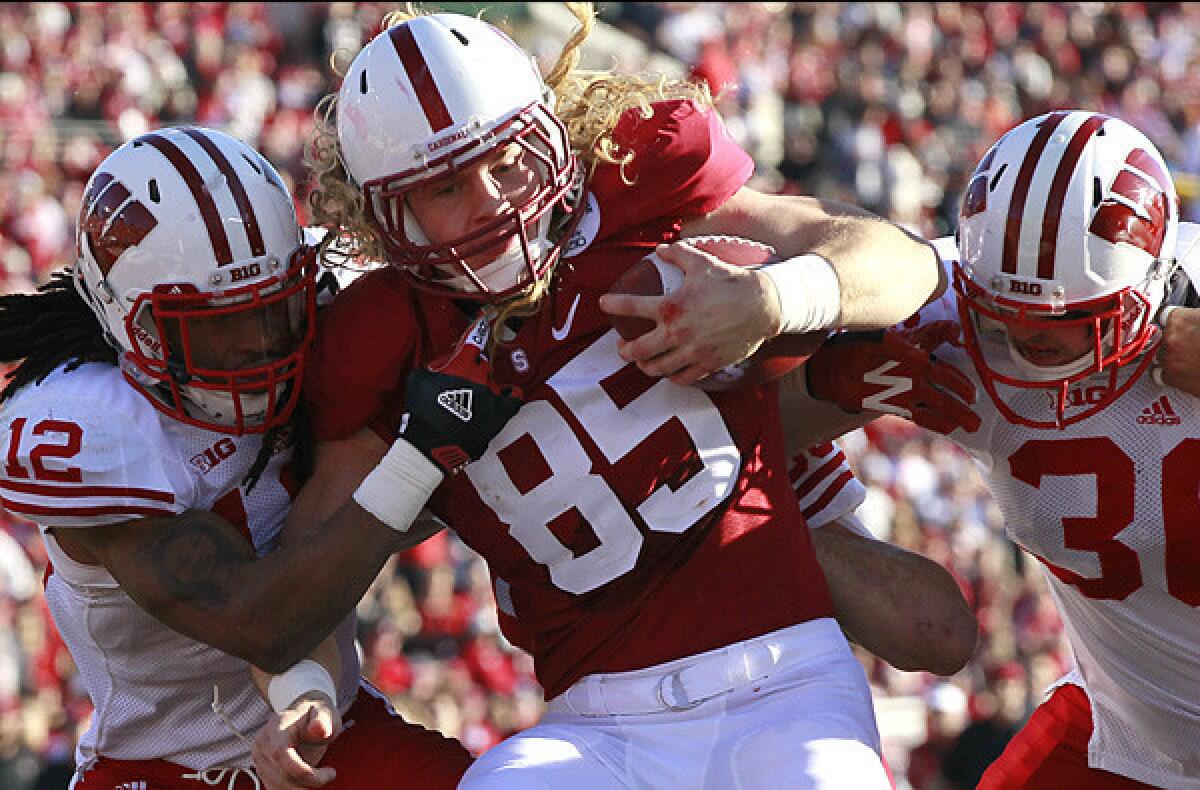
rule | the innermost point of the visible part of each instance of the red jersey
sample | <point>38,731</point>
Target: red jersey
<point>626,521</point>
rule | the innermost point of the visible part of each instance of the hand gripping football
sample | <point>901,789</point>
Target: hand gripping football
<point>652,276</point>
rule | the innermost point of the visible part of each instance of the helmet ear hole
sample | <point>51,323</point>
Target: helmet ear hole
<point>1097,192</point>
<point>152,186</point>
<point>461,38</point>
<point>362,82</point>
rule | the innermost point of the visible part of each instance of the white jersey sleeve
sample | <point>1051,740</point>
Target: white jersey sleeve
<point>824,484</point>
<point>69,463</point>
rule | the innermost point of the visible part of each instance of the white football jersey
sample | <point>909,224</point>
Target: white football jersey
<point>1111,507</point>
<point>84,449</point>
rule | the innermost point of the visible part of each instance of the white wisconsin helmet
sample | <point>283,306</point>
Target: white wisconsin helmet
<point>1070,219</point>
<point>187,239</point>
<point>434,94</point>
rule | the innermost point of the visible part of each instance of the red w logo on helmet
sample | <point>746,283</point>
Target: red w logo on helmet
<point>1136,211</point>
<point>111,220</point>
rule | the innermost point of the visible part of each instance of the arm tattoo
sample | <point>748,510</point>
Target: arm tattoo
<point>194,556</point>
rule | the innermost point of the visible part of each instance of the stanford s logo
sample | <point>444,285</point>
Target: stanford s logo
<point>111,220</point>
<point>1136,211</point>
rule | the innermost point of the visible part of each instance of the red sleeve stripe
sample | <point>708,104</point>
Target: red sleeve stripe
<point>93,510</point>
<point>802,461</point>
<point>832,491</point>
<point>810,483</point>
<point>41,489</point>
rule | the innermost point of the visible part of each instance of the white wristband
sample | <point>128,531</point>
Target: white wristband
<point>397,488</point>
<point>810,297</point>
<point>306,676</point>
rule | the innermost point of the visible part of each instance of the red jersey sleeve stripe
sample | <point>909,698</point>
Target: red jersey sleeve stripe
<point>85,510</point>
<point>42,489</point>
<point>832,491</point>
<point>803,460</point>
<point>810,483</point>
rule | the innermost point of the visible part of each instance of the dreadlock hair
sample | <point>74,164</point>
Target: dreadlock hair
<point>297,434</point>
<point>46,329</point>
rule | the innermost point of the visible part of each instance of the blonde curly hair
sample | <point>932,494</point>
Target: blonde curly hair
<point>589,103</point>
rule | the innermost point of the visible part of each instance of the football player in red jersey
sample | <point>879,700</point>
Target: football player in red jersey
<point>1069,245</point>
<point>148,432</point>
<point>644,541</point>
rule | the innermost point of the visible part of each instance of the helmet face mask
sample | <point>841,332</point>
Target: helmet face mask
<point>434,97</point>
<point>448,265</point>
<point>227,361</point>
<point>190,256</point>
<point>1066,236</point>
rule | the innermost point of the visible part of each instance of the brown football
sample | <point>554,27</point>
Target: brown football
<point>652,276</point>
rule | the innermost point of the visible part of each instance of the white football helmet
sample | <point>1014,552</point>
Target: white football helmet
<point>1070,220</point>
<point>189,253</point>
<point>434,94</point>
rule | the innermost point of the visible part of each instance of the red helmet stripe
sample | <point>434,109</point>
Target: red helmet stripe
<point>421,78</point>
<point>1058,192</point>
<point>204,200</point>
<point>1016,208</point>
<point>249,220</point>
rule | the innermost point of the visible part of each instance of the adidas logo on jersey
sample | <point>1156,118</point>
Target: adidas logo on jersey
<point>138,785</point>
<point>457,402</point>
<point>1159,413</point>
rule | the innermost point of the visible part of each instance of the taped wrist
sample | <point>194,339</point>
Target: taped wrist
<point>398,487</point>
<point>305,677</point>
<point>810,296</point>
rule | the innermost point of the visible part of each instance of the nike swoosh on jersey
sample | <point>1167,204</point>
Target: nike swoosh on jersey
<point>559,334</point>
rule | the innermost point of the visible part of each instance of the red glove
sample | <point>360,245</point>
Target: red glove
<point>895,372</point>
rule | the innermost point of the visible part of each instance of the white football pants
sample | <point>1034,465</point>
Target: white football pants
<point>790,709</point>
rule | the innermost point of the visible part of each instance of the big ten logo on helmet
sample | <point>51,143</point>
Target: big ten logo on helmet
<point>1024,287</point>
<point>111,220</point>
<point>1136,210</point>
<point>245,272</point>
<point>220,450</point>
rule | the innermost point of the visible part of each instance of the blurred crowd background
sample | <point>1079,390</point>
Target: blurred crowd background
<point>885,105</point>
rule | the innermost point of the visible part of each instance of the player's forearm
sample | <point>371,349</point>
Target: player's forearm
<point>901,606</point>
<point>199,576</point>
<point>305,589</point>
<point>885,273</point>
